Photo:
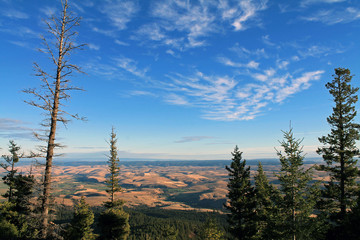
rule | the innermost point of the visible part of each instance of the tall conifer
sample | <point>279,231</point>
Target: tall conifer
<point>114,221</point>
<point>112,182</point>
<point>241,202</point>
<point>80,226</point>
<point>267,210</point>
<point>299,195</point>
<point>339,150</point>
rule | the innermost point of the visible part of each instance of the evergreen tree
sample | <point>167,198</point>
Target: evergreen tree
<point>80,226</point>
<point>299,195</point>
<point>112,182</point>
<point>267,211</point>
<point>168,232</point>
<point>114,221</point>
<point>339,150</point>
<point>114,224</point>
<point>16,212</point>
<point>211,230</point>
<point>9,166</point>
<point>241,202</point>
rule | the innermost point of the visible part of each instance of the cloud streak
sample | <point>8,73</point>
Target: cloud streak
<point>120,13</point>
<point>15,129</point>
<point>334,16</point>
<point>192,139</point>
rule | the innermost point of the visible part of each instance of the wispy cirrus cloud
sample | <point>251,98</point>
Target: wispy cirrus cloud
<point>227,98</point>
<point>194,21</point>
<point>334,16</point>
<point>311,2</point>
<point>120,13</point>
<point>14,14</point>
<point>48,11</point>
<point>130,65</point>
<point>246,11</point>
<point>15,129</point>
<point>93,46</point>
<point>228,62</point>
<point>192,139</point>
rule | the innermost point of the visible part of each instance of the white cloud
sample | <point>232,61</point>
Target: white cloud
<point>192,139</point>
<point>48,11</point>
<point>243,52</point>
<point>249,10</point>
<point>267,41</point>
<point>130,65</point>
<point>334,16</point>
<point>297,85</point>
<point>176,99</point>
<point>310,2</point>
<point>121,43</point>
<point>227,98</point>
<point>141,93</point>
<point>228,62</point>
<point>120,13</point>
<point>12,13</point>
<point>93,46</point>
<point>194,21</point>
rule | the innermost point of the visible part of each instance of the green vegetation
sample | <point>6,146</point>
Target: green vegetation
<point>241,198</point>
<point>295,208</point>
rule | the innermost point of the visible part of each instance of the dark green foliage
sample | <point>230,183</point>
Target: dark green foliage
<point>114,224</point>
<point>268,218</point>
<point>241,198</point>
<point>9,167</point>
<point>299,196</point>
<point>16,212</point>
<point>8,230</point>
<point>80,226</point>
<point>211,230</point>
<point>340,147</point>
<point>113,180</point>
<point>149,223</point>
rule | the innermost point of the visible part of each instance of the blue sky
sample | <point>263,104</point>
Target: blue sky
<point>183,79</point>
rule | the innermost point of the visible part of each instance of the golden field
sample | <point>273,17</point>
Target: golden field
<point>153,184</point>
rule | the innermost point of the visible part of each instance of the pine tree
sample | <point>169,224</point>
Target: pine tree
<point>267,211</point>
<point>114,224</point>
<point>112,182</point>
<point>241,198</point>
<point>339,150</point>
<point>299,195</point>
<point>9,166</point>
<point>114,221</point>
<point>16,212</point>
<point>80,226</point>
<point>211,230</point>
<point>54,91</point>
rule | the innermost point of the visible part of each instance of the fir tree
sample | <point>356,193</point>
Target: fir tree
<point>9,166</point>
<point>16,212</point>
<point>112,182</point>
<point>114,224</point>
<point>299,195</point>
<point>80,226</point>
<point>339,150</point>
<point>114,221</point>
<point>267,211</point>
<point>211,230</point>
<point>241,202</point>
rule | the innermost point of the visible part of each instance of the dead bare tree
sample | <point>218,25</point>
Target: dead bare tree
<point>54,91</point>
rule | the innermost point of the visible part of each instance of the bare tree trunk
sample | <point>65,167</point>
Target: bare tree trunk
<point>53,91</point>
<point>53,124</point>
